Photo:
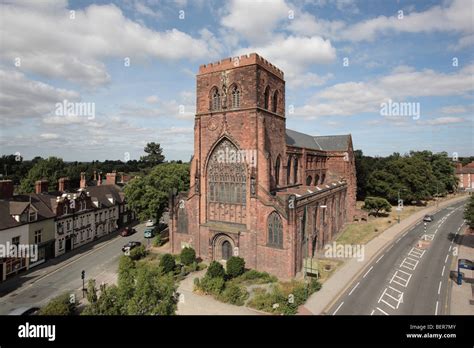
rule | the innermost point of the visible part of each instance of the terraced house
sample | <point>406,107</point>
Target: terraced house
<point>258,190</point>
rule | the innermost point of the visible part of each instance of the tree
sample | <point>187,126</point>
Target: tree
<point>235,266</point>
<point>91,291</point>
<point>376,204</point>
<point>61,305</point>
<point>154,156</point>
<point>50,169</point>
<point>126,279</point>
<point>469,212</point>
<point>215,270</point>
<point>187,256</point>
<point>148,196</point>
<point>167,263</point>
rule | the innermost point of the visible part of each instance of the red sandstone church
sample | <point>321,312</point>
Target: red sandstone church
<point>258,190</point>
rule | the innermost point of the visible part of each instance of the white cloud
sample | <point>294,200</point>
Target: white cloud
<point>152,99</point>
<point>441,121</point>
<point>49,136</point>
<point>453,109</point>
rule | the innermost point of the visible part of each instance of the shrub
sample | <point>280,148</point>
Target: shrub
<point>167,263</point>
<point>188,256</point>
<point>256,277</point>
<point>91,291</point>
<point>234,294</point>
<point>215,270</point>
<point>211,286</point>
<point>157,240</point>
<point>60,305</point>
<point>235,266</point>
<point>138,253</point>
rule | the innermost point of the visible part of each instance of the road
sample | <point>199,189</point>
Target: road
<point>35,288</point>
<point>409,278</point>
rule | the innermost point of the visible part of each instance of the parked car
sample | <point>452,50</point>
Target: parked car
<point>25,311</point>
<point>149,232</point>
<point>127,231</point>
<point>428,218</point>
<point>150,223</point>
<point>130,245</point>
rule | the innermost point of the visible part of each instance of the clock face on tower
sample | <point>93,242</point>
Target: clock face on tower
<point>212,124</point>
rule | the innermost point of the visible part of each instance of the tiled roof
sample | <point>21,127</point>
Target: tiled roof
<point>325,143</point>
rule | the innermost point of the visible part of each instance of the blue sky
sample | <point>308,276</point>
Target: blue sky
<point>418,52</point>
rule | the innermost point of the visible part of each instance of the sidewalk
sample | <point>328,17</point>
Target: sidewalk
<point>462,296</point>
<point>194,304</point>
<point>343,278</point>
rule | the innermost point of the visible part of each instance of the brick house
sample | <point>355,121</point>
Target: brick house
<point>258,190</point>
<point>465,175</point>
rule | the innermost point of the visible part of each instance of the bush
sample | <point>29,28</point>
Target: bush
<point>211,286</point>
<point>138,253</point>
<point>257,277</point>
<point>376,204</point>
<point>234,294</point>
<point>188,256</point>
<point>60,305</point>
<point>235,266</point>
<point>215,270</point>
<point>91,291</point>
<point>157,240</point>
<point>167,263</point>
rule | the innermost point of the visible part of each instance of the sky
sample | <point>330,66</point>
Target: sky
<point>397,75</point>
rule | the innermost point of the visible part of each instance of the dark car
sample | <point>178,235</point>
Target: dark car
<point>428,218</point>
<point>130,245</point>
<point>127,231</point>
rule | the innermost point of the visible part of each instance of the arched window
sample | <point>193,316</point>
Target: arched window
<point>288,171</point>
<point>267,98</point>
<point>323,177</point>
<point>309,179</point>
<point>275,230</point>
<point>226,250</point>
<point>215,99</point>
<point>316,179</point>
<point>275,101</point>
<point>65,209</point>
<point>295,169</point>
<point>235,97</point>
<point>277,171</point>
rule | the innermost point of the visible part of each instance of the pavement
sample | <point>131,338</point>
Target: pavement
<point>37,286</point>
<point>462,296</point>
<point>380,262</point>
<point>191,303</point>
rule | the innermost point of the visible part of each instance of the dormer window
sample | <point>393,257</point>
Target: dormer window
<point>235,97</point>
<point>32,216</point>
<point>215,99</point>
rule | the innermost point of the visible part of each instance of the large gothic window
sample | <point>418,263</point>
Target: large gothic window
<point>295,168</point>
<point>215,99</point>
<point>275,101</point>
<point>275,230</point>
<point>277,171</point>
<point>267,98</point>
<point>288,171</point>
<point>227,183</point>
<point>235,97</point>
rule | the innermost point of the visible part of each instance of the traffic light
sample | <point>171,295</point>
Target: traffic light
<point>83,274</point>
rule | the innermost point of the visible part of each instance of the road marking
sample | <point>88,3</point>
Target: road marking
<point>338,308</point>
<point>396,297</point>
<point>354,288</point>
<point>372,313</point>
<point>382,311</point>
<point>390,247</point>
<point>380,258</point>
<point>446,259</point>
<point>436,310</point>
<point>403,278</point>
<point>409,263</point>
<point>368,271</point>
<point>450,248</point>
<point>398,240</point>
<point>416,252</point>
<point>439,287</point>
<point>442,273</point>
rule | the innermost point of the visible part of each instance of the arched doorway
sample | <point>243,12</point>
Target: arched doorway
<point>226,250</point>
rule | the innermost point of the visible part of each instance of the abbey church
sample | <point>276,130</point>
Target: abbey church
<point>258,190</point>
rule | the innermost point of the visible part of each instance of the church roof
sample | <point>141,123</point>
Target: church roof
<point>325,143</point>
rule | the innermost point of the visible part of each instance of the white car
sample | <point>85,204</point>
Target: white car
<point>150,223</point>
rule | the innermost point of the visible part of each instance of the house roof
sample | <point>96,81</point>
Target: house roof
<point>104,192</point>
<point>467,169</point>
<point>6,220</point>
<point>324,143</point>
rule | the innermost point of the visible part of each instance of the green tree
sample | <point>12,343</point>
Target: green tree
<point>235,266</point>
<point>187,256</point>
<point>215,270</point>
<point>167,263</point>
<point>376,205</point>
<point>60,305</point>
<point>469,212</point>
<point>148,196</point>
<point>154,156</point>
<point>50,169</point>
<point>126,279</point>
<point>91,291</point>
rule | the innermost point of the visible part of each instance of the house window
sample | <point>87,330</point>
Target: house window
<point>275,101</point>
<point>16,240</point>
<point>65,209</point>
<point>275,230</point>
<point>32,216</point>
<point>60,244</point>
<point>38,237</point>
<point>215,99</point>
<point>235,97</point>
<point>267,98</point>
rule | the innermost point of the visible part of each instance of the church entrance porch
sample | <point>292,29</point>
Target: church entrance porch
<point>223,247</point>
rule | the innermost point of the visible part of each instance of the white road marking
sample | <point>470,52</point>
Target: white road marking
<point>398,240</point>
<point>446,259</point>
<point>368,271</point>
<point>382,311</point>
<point>409,263</point>
<point>403,278</point>
<point>380,258</point>
<point>372,313</point>
<point>354,288</point>
<point>442,273</point>
<point>338,308</point>
<point>439,287</point>
<point>450,248</point>
<point>436,310</point>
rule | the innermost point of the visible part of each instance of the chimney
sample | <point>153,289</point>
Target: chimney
<point>83,182</point>
<point>6,189</point>
<point>63,184</point>
<point>41,186</point>
<point>111,178</point>
<point>99,179</point>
